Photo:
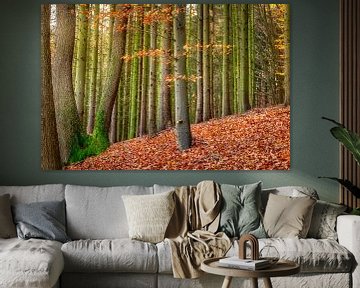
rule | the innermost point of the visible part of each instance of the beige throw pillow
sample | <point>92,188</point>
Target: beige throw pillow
<point>148,215</point>
<point>288,217</point>
<point>7,226</point>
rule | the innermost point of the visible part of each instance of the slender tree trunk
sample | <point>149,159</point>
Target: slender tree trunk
<point>110,35</point>
<point>181,106</point>
<point>50,153</point>
<point>126,87</point>
<point>68,121</point>
<point>110,89</point>
<point>206,63</point>
<point>199,66</point>
<point>94,69</point>
<point>271,65</point>
<point>287,55</point>
<point>118,104</point>
<point>81,60</point>
<point>225,65</point>
<point>244,58</point>
<point>152,80</point>
<point>145,81</point>
<point>235,45</point>
<point>100,72</point>
<point>141,75</point>
<point>214,102</point>
<point>113,125</point>
<point>165,115</point>
<point>134,76</point>
<point>251,33</point>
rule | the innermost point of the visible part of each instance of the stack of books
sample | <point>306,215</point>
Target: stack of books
<point>248,264</point>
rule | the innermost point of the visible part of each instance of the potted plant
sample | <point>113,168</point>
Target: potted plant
<point>351,141</point>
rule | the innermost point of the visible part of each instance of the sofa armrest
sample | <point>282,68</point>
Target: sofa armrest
<point>348,230</point>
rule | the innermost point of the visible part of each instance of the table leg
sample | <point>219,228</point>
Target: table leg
<point>267,283</point>
<point>227,282</point>
<point>254,282</point>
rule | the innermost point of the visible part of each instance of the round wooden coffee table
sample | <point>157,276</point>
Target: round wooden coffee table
<point>281,268</point>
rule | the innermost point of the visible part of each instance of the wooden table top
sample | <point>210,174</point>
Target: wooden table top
<point>281,268</point>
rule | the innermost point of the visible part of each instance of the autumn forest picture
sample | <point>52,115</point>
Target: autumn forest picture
<point>165,87</point>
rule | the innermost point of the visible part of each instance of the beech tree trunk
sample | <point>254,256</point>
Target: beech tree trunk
<point>93,71</point>
<point>181,106</point>
<point>67,117</point>
<point>137,19</point>
<point>165,114</point>
<point>206,63</point>
<point>145,81</point>
<point>199,66</point>
<point>152,80</point>
<point>50,153</point>
<point>287,56</point>
<point>225,65</point>
<point>244,58</point>
<point>81,57</point>
<point>111,85</point>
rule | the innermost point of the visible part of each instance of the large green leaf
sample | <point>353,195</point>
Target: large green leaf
<point>348,138</point>
<point>348,185</point>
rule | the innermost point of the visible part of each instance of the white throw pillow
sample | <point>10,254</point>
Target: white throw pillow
<point>149,215</point>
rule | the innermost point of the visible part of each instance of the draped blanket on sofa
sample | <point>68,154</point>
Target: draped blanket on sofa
<point>191,232</point>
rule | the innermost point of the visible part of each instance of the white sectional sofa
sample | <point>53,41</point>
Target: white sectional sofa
<point>101,254</point>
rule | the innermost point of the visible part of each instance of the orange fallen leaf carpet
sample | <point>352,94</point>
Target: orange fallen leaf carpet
<point>256,140</point>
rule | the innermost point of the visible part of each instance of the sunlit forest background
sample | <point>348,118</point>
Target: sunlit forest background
<point>114,72</point>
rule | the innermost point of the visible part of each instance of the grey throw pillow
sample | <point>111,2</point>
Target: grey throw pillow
<point>7,227</point>
<point>44,220</point>
<point>240,213</point>
<point>323,222</point>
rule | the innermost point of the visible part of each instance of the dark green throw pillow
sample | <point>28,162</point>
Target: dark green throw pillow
<point>240,213</point>
<point>43,220</point>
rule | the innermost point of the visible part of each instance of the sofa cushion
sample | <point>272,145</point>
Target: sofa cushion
<point>117,255</point>
<point>313,255</point>
<point>291,191</point>
<point>149,215</point>
<point>36,193</point>
<point>323,222</point>
<point>240,210</point>
<point>287,216</point>
<point>98,213</point>
<point>30,263</point>
<point>43,220</point>
<point>7,227</point>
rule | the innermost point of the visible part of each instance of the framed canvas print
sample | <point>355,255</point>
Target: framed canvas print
<point>165,86</point>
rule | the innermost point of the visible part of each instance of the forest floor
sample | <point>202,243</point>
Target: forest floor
<point>256,140</point>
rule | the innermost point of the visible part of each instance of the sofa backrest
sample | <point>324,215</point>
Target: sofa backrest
<point>98,212</point>
<point>35,193</point>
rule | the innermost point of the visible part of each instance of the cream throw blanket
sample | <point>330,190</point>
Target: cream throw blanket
<point>191,231</point>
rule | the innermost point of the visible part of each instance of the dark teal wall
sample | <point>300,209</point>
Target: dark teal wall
<point>314,93</point>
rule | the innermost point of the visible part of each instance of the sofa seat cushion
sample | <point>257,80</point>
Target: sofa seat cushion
<point>110,255</point>
<point>313,255</point>
<point>30,263</point>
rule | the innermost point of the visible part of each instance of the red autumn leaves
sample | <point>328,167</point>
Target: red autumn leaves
<point>256,140</point>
